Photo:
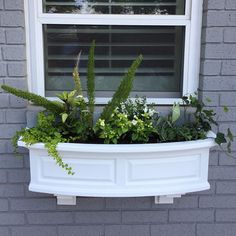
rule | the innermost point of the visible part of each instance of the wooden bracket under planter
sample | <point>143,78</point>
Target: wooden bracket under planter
<point>166,170</point>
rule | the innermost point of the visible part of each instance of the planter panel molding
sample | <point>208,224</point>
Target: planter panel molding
<point>164,171</point>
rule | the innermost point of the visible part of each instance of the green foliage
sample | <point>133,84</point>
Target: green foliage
<point>131,122</point>
<point>91,83</point>
<point>122,121</point>
<point>76,78</point>
<point>122,93</point>
<point>45,131</point>
<point>197,127</point>
<point>35,99</point>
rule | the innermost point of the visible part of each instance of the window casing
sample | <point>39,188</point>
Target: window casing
<point>190,23</point>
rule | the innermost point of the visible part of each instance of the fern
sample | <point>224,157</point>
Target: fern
<point>91,83</point>
<point>76,77</point>
<point>35,99</point>
<point>123,91</point>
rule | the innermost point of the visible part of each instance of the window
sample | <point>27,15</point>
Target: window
<point>166,32</point>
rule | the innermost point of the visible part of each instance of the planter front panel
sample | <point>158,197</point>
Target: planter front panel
<point>121,174</point>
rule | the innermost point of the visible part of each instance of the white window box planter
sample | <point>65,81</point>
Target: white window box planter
<point>164,170</point>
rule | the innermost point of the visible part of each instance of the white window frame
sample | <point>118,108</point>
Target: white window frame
<point>192,20</point>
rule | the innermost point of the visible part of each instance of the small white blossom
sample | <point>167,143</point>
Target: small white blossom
<point>102,122</point>
<point>134,122</point>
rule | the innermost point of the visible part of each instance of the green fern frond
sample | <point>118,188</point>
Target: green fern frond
<point>123,91</point>
<point>76,77</point>
<point>91,83</point>
<point>35,99</point>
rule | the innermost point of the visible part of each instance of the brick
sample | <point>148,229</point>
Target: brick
<point>222,173</point>
<point>4,100</point>
<point>2,120</point>
<point>228,99</point>
<point>229,67</point>
<point>9,161</point>
<point>11,190</point>
<point>213,96</point>
<point>14,4</point>
<point>213,35</point>
<point>216,229</point>
<point>218,83</point>
<point>220,51</point>
<point>34,231</point>
<point>50,218</point>
<point>15,53</point>
<point>226,215</point>
<point>12,219</point>
<point>19,83</point>
<point>211,67</point>
<point>215,4</point>
<point>230,4</point>
<point>16,102</point>
<point>226,187</point>
<point>1,4</point>
<point>12,18</point>
<point>19,176</point>
<point>3,144</point>
<point>225,116</point>
<point>33,204</point>
<point>15,116</point>
<point>217,201</point>
<point>127,230</point>
<point>226,160</point>
<point>220,18</point>
<point>9,130</point>
<point>191,215</point>
<point>1,83</point>
<point>80,231</point>
<point>15,36</point>
<point>87,203</point>
<point>2,36</point>
<point>3,205</point>
<point>144,217</point>
<point>16,69</point>
<point>173,229</point>
<point>3,176</point>
<point>229,35</point>
<point>101,217</point>
<point>4,231</point>
<point>129,203</point>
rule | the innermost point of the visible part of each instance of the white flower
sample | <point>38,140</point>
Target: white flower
<point>145,109</point>
<point>152,112</point>
<point>102,122</point>
<point>134,122</point>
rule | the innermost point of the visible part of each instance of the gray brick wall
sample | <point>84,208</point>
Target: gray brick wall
<point>212,212</point>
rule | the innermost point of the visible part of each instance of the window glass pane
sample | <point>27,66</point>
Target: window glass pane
<point>153,7</point>
<point>116,47</point>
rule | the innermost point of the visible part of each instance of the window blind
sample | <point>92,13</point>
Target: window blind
<point>162,48</point>
<point>155,7</point>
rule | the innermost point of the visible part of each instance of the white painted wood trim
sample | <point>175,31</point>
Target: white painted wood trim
<point>192,20</point>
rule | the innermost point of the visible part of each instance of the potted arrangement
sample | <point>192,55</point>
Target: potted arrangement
<point>129,151</point>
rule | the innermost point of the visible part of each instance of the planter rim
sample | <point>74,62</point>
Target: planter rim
<point>128,148</point>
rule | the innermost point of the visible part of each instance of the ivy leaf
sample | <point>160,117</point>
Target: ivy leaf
<point>229,147</point>
<point>230,135</point>
<point>220,138</point>
<point>175,113</point>
<point>64,117</point>
<point>208,100</point>
<point>226,109</point>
